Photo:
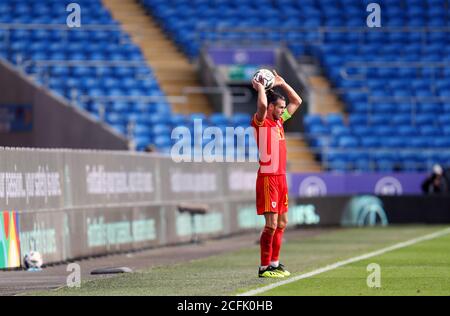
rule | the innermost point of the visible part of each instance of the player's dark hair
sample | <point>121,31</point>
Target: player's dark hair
<point>273,96</point>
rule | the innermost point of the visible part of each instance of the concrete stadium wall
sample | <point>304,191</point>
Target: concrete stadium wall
<point>55,124</point>
<point>69,204</point>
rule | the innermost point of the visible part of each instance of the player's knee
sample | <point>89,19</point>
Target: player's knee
<point>270,228</point>
<point>282,224</point>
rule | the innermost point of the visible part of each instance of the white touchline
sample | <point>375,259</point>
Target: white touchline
<point>348,261</point>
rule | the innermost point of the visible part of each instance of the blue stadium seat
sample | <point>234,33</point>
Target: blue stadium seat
<point>241,119</point>
<point>358,119</point>
<point>370,142</point>
<point>334,120</point>
<point>178,120</point>
<point>444,120</point>
<point>161,129</point>
<point>446,130</point>
<point>318,130</point>
<point>428,130</point>
<point>363,165</point>
<point>119,106</point>
<point>115,119</point>
<point>417,142</point>
<point>407,130</point>
<point>385,165</point>
<point>218,119</point>
<point>142,142</point>
<point>162,141</point>
<point>401,119</point>
<point>394,142</point>
<point>142,130</point>
<point>339,165</point>
<point>441,142</point>
<point>425,119</point>
<point>348,142</point>
<point>383,131</point>
<point>339,130</point>
<point>361,130</point>
<point>310,120</point>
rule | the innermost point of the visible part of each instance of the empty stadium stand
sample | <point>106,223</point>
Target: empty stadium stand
<point>96,67</point>
<point>171,67</point>
<point>394,81</point>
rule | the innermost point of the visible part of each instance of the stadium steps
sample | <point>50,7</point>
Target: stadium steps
<point>171,68</point>
<point>326,101</point>
<point>300,158</point>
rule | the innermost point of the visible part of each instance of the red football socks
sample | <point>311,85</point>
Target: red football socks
<point>276,244</point>
<point>266,245</point>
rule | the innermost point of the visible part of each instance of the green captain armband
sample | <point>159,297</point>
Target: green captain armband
<point>285,116</point>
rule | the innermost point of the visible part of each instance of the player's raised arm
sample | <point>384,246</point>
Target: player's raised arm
<point>261,111</point>
<point>294,99</point>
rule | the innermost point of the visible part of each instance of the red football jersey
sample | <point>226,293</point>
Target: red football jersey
<point>271,145</point>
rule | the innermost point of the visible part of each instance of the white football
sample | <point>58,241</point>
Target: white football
<point>266,77</point>
<point>33,259</point>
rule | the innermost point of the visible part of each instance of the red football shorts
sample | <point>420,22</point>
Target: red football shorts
<point>271,194</point>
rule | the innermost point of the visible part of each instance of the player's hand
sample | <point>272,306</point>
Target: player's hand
<point>279,81</point>
<point>257,85</point>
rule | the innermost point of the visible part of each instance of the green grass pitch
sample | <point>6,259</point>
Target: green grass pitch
<point>419,269</point>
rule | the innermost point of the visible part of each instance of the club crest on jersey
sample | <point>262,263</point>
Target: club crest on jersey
<point>274,204</point>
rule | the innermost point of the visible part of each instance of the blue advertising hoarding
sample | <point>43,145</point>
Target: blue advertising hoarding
<point>329,184</point>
